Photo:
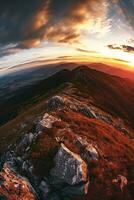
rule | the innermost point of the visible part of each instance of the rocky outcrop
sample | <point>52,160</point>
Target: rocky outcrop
<point>55,103</point>
<point>15,187</point>
<point>119,125</point>
<point>68,176</point>
<point>88,150</point>
<point>27,139</point>
<point>24,144</point>
<point>105,118</point>
<point>70,170</point>
<point>85,110</point>
<point>46,122</point>
<point>59,102</point>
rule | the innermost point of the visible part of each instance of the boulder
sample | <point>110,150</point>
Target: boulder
<point>46,122</point>
<point>24,144</point>
<point>88,150</point>
<point>90,153</point>
<point>55,103</point>
<point>27,140</point>
<point>58,102</point>
<point>87,112</point>
<point>105,118</point>
<point>70,170</point>
<point>69,167</point>
<point>80,189</point>
<point>14,186</point>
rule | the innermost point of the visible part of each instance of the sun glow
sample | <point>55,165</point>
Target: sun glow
<point>119,56</point>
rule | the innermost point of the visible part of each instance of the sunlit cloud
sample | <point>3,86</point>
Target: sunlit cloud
<point>50,20</point>
<point>51,29</point>
<point>85,50</point>
<point>125,48</point>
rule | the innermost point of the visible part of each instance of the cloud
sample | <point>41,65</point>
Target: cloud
<point>29,43</point>
<point>120,60</point>
<point>131,41</point>
<point>27,24</point>
<point>126,8</point>
<point>64,57</point>
<point>8,50</point>
<point>85,51</point>
<point>125,48</point>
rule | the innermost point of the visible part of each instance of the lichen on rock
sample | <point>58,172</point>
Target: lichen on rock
<point>71,170</point>
<point>14,186</point>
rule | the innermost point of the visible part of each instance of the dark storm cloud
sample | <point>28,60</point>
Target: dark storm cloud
<point>28,22</point>
<point>124,48</point>
<point>13,18</point>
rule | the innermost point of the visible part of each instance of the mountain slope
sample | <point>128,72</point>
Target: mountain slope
<point>111,93</point>
<point>74,142</point>
<point>75,150</point>
<point>124,73</point>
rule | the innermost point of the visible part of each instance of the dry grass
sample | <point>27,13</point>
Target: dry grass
<point>42,154</point>
<point>116,155</point>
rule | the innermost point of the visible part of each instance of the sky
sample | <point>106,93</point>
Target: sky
<point>49,31</point>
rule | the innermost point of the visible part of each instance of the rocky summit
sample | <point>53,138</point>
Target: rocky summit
<point>73,149</point>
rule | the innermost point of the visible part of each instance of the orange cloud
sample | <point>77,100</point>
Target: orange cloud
<point>53,20</point>
<point>29,43</point>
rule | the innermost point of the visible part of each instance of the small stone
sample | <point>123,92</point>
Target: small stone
<point>121,181</point>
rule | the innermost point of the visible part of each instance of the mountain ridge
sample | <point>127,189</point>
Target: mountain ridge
<point>73,150</point>
<point>118,89</point>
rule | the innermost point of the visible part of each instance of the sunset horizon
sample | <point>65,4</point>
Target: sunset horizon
<point>66,99</point>
<point>89,33</point>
